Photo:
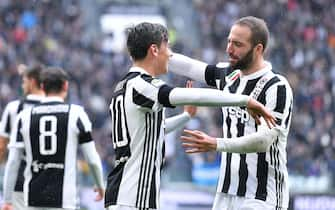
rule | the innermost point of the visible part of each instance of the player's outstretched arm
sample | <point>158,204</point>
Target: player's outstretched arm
<point>180,120</point>
<point>211,97</point>
<point>197,141</point>
<point>189,67</point>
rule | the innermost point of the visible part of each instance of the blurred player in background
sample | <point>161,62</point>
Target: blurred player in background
<point>258,179</point>
<point>137,112</point>
<point>33,94</point>
<point>50,134</point>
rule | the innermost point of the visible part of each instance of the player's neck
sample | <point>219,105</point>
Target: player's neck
<point>37,92</point>
<point>146,66</point>
<point>255,67</point>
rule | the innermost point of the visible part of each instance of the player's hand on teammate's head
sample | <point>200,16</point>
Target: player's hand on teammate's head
<point>192,110</point>
<point>100,195</point>
<point>195,141</point>
<point>257,110</point>
<point>7,206</point>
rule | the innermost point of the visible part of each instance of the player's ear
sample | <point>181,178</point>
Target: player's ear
<point>153,49</point>
<point>66,86</point>
<point>259,48</point>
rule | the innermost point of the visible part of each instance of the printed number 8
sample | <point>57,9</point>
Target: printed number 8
<point>51,133</point>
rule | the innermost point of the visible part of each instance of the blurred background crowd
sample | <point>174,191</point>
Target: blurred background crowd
<point>68,33</point>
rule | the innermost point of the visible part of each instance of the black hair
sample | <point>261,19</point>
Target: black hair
<point>53,79</point>
<point>141,36</point>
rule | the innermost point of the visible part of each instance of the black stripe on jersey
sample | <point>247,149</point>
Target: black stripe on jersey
<point>20,107</point>
<point>8,127</point>
<point>243,176</point>
<point>262,176</point>
<point>281,99</point>
<point>142,100</point>
<point>144,163</point>
<point>152,197</point>
<point>84,136</point>
<point>226,182</point>
<point>234,86</point>
<point>113,186</point>
<point>163,96</point>
<point>261,98</point>
<point>20,177</point>
<point>149,163</point>
<point>142,171</point>
<point>289,115</point>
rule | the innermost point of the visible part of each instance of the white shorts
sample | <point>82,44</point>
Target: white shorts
<point>225,201</point>
<point>123,207</point>
<point>18,201</point>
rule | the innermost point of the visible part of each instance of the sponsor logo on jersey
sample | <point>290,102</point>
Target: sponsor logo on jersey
<point>240,113</point>
<point>43,166</point>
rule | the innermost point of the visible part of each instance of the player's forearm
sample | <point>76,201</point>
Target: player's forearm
<point>177,121</point>
<point>11,171</point>
<point>256,142</point>
<point>206,97</point>
<point>191,68</point>
<point>94,163</point>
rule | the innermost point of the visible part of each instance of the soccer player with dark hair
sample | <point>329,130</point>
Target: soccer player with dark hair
<point>253,172</point>
<point>138,121</point>
<point>33,94</point>
<point>49,135</point>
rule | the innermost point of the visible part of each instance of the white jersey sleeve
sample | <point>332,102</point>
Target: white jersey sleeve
<point>83,124</point>
<point>94,161</point>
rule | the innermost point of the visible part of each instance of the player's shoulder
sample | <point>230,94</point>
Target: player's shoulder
<point>76,107</point>
<point>282,79</point>
<point>13,105</point>
<point>145,79</point>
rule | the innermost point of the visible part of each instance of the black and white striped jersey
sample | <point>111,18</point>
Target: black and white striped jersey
<point>137,114</point>
<point>50,134</point>
<point>254,175</point>
<point>8,118</point>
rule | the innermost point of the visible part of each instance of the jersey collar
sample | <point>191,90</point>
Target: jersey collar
<point>267,68</point>
<point>52,99</point>
<point>139,69</point>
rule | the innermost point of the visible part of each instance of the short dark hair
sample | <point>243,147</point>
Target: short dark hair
<point>53,79</point>
<point>34,72</point>
<point>141,36</point>
<point>259,30</point>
